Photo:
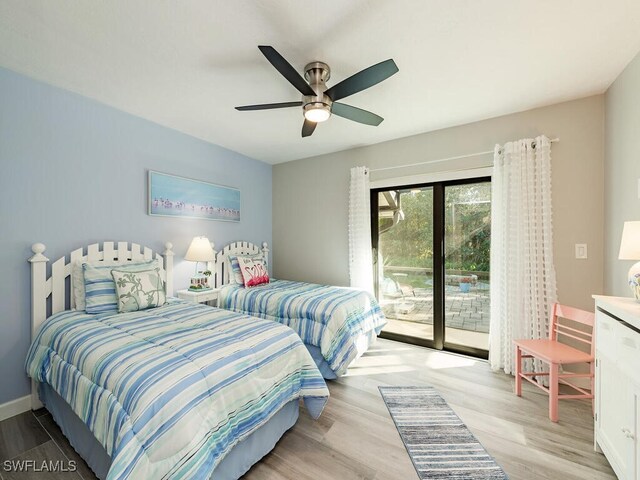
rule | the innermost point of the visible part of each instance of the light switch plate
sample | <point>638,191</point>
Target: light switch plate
<point>581,251</point>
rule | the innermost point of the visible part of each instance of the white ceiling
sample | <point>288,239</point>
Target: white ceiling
<point>186,64</point>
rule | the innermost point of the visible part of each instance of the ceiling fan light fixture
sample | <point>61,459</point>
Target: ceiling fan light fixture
<point>319,103</point>
<point>317,112</point>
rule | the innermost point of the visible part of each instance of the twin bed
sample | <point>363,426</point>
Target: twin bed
<point>184,390</point>
<point>336,324</point>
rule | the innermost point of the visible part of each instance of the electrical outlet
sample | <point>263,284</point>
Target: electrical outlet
<point>581,251</point>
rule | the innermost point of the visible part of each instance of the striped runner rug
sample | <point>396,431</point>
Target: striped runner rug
<point>439,444</point>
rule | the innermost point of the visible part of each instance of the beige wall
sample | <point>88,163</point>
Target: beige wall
<point>310,196</point>
<point>622,171</point>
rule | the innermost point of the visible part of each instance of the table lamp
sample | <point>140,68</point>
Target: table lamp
<point>200,250</point>
<point>630,250</point>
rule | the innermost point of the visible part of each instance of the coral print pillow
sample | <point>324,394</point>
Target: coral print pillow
<point>139,290</point>
<point>254,272</point>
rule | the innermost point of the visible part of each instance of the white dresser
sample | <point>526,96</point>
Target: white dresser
<point>617,419</point>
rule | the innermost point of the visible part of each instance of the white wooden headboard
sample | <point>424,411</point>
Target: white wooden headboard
<point>55,287</point>
<point>222,266</point>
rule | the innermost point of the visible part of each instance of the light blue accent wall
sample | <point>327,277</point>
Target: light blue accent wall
<point>74,172</point>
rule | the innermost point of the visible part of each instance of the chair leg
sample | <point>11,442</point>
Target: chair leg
<point>553,391</point>
<point>518,370</point>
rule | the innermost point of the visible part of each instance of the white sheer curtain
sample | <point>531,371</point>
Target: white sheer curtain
<point>360,259</point>
<point>523,278</point>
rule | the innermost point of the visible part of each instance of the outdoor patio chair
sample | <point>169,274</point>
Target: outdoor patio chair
<point>404,288</point>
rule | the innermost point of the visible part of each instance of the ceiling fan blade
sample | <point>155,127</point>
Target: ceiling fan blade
<point>308,128</point>
<point>286,70</point>
<point>362,80</point>
<point>269,106</point>
<point>356,114</point>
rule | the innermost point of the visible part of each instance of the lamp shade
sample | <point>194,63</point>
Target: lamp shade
<point>200,250</point>
<point>630,244</point>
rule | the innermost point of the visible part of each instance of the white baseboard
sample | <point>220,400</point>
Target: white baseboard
<point>15,407</point>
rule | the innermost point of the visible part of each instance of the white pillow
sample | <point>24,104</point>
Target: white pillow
<point>77,277</point>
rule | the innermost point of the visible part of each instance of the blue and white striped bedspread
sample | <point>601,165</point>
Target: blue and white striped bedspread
<point>169,391</point>
<point>342,322</point>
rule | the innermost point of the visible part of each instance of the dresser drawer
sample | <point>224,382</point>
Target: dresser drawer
<point>620,343</point>
<point>628,352</point>
<point>606,328</point>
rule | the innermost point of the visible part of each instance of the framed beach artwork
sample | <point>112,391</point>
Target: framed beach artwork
<point>172,196</point>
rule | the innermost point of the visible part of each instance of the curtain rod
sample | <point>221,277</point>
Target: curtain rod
<point>439,160</point>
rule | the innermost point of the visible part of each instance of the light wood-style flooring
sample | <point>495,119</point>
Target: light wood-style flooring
<point>355,437</point>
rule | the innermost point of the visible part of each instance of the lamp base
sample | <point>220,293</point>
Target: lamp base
<point>634,280</point>
<point>199,283</point>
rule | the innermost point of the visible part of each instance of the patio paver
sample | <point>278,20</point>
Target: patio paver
<point>467,311</point>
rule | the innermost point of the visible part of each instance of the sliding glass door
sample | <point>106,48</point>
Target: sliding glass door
<point>405,261</point>
<point>467,240</point>
<point>431,253</point>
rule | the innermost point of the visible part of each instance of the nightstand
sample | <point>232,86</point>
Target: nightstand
<point>210,297</point>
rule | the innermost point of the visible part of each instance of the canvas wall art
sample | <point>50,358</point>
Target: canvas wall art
<point>173,196</point>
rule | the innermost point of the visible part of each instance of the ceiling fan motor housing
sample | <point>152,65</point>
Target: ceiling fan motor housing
<point>317,74</point>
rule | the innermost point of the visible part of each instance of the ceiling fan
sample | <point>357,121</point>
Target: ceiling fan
<point>318,101</point>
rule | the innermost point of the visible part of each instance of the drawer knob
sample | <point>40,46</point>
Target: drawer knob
<point>629,342</point>
<point>628,433</point>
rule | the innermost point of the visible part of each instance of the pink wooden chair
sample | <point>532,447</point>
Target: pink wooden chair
<point>556,354</point>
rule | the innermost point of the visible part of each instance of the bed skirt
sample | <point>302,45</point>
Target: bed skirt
<point>233,466</point>
<point>321,363</point>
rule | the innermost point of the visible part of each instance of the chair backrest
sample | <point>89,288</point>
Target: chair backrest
<point>575,315</point>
